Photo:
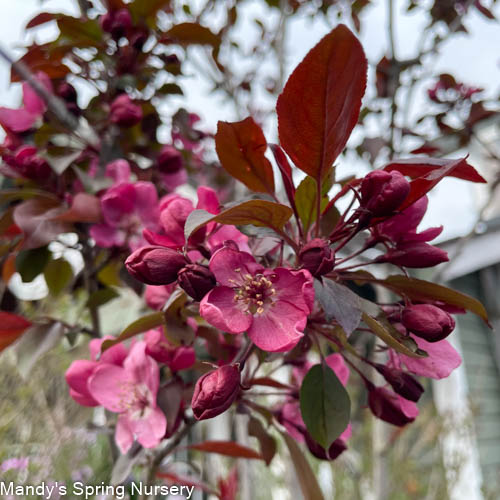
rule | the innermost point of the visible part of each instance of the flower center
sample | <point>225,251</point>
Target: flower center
<point>255,294</point>
<point>136,400</point>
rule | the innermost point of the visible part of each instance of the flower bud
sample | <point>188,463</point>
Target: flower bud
<point>196,280</point>
<point>215,392</point>
<point>116,23</point>
<point>383,192</point>
<point>124,112</point>
<point>27,163</point>
<point>169,160</point>
<point>317,257</point>
<point>428,322</point>
<point>336,448</point>
<point>155,265</point>
<point>386,405</point>
<point>415,255</point>
<point>67,92</point>
<point>403,383</point>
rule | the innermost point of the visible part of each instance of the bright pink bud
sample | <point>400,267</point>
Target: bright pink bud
<point>415,254</point>
<point>124,112</point>
<point>383,192</point>
<point>428,322</point>
<point>317,257</point>
<point>155,265</point>
<point>215,392</point>
<point>387,406</point>
<point>196,280</point>
<point>169,160</point>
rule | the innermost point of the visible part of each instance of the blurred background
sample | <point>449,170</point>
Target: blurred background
<point>434,79</point>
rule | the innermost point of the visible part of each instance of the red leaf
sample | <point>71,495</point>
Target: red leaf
<point>84,208</point>
<point>12,327</point>
<point>42,18</point>
<point>286,173</point>
<point>227,448</point>
<point>37,218</point>
<point>427,172</point>
<point>320,104</point>
<point>241,147</point>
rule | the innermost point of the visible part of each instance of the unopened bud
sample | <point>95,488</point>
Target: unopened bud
<point>336,448</point>
<point>67,92</point>
<point>403,383</point>
<point>415,255</point>
<point>386,405</point>
<point>169,160</point>
<point>155,265</point>
<point>124,112</point>
<point>196,280</point>
<point>215,392</point>
<point>428,322</point>
<point>383,192</point>
<point>317,257</point>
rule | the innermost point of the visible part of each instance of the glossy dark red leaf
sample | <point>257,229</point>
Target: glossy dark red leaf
<point>12,327</point>
<point>42,18</point>
<point>286,172</point>
<point>227,448</point>
<point>427,172</point>
<point>321,101</point>
<point>241,147</point>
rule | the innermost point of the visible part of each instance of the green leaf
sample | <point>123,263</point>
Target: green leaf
<point>340,303</point>
<point>307,479</point>
<point>101,297</point>
<point>324,404</point>
<point>170,88</point>
<point>386,332</point>
<point>176,330</point>
<point>138,326</point>
<point>266,442</point>
<point>82,33</point>
<point>305,200</point>
<point>58,274</point>
<point>31,263</point>
<point>260,213</point>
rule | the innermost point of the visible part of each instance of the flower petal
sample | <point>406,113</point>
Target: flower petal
<point>442,360</point>
<point>337,364</point>
<point>229,266</point>
<point>149,431</point>
<point>124,437</point>
<point>142,367</point>
<point>77,377</point>
<point>109,385</point>
<point>219,309</point>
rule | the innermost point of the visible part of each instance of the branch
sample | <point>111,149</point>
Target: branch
<point>54,104</point>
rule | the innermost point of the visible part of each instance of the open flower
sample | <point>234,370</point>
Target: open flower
<point>131,391</point>
<point>271,305</point>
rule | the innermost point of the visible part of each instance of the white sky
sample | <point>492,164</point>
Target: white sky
<point>475,59</point>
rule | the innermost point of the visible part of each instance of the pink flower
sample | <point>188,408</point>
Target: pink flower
<point>442,359</point>
<point>176,358</point>
<point>127,209</point>
<point>124,112</point>
<point>21,120</point>
<point>130,390</point>
<point>156,296</point>
<point>271,305</point>
<point>80,371</point>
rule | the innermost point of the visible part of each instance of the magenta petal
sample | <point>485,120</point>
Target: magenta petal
<point>229,266</point>
<point>337,364</point>
<point>118,201</point>
<point>220,309</point>
<point>409,408</point>
<point>295,287</point>
<point>77,377</point>
<point>182,359</point>
<point>118,170</point>
<point>149,431</point>
<point>16,120</point>
<point>427,235</point>
<point>279,329</point>
<point>442,360</point>
<point>142,368</point>
<point>110,386</point>
<point>147,202</point>
<point>107,236</point>
<point>114,355</point>
<point>124,437</point>
<point>31,100</point>
<point>208,200</point>
<point>225,233</point>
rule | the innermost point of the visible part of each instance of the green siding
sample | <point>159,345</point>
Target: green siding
<point>483,379</point>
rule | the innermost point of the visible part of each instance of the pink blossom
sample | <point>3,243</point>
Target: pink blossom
<point>127,209</point>
<point>14,463</point>
<point>442,359</point>
<point>80,371</point>
<point>130,390</point>
<point>271,305</point>
<point>22,119</point>
<point>176,358</point>
<point>156,296</point>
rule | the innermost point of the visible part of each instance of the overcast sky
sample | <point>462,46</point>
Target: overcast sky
<point>475,59</point>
